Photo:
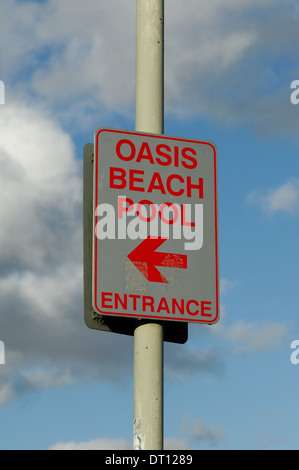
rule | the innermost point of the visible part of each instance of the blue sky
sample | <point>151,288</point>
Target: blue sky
<point>68,69</point>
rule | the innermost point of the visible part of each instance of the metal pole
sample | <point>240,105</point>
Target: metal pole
<point>148,387</point>
<point>149,337</point>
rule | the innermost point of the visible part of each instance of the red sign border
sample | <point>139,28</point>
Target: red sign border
<point>95,276</point>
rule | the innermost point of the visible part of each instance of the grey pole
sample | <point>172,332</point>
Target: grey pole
<point>150,66</point>
<point>149,337</point>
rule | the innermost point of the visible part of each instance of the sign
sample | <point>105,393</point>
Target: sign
<point>155,238</point>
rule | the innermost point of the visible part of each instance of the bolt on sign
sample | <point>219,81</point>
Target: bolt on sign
<point>155,236</point>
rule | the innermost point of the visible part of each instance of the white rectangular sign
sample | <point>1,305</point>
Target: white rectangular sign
<point>155,239</point>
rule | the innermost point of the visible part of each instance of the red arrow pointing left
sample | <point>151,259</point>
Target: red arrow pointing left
<point>146,258</point>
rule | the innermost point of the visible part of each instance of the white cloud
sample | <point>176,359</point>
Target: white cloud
<point>248,337</point>
<point>213,435</point>
<point>252,337</point>
<point>220,58</point>
<point>89,60</point>
<point>223,62</point>
<point>117,444</point>
<point>174,443</point>
<point>5,393</point>
<point>268,441</point>
<point>261,337</point>
<point>186,362</point>
<point>284,198</point>
<point>78,60</point>
<point>40,190</point>
<point>43,379</point>
<point>227,285</point>
<point>95,444</point>
<point>41,269</point>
